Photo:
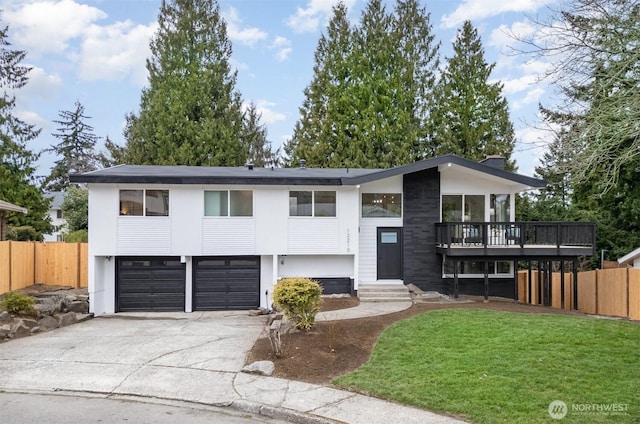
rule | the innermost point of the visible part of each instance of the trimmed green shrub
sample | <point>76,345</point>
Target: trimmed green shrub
<point>18,303</point>
<point>73,237</point>
<point>299,299</point>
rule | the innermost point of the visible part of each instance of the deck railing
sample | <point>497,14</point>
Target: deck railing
<point>499,234</point>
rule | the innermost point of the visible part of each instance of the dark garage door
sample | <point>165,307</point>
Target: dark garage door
<point>221,283</point>
<point>150,284</point>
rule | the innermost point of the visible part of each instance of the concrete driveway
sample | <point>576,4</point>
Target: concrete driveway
<point>196,355</point>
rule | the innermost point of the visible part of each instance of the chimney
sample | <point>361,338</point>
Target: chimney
<point>494,161</point>
<point>303,164</point>
<point>250,166</point>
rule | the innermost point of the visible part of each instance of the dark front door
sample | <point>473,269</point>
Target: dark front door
<point>389,253</point>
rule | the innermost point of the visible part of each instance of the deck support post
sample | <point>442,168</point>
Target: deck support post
<point>540,288</point>
<point>515,279</point>
<point>549,283</point>
<point>486,281</point>
<point>456,264</point>
<point>530,298</point>
<point>561,283</point>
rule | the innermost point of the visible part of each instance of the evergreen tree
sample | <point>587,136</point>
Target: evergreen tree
<point>254,133</point>
<point>113,154</point>
<point>76,150</point>
<point>470,116</point>
<point>17,161</point>
<point>370,94</point>
<point>191,113</point>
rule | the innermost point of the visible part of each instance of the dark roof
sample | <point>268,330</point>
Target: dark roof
<point>153,174</point>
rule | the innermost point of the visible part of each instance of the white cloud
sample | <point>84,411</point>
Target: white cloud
<point>518,84</point>
<point>40,83</point>
<point>48,26</point>
<point>32,118</point>
<point>264,109</point>
<point>317,11</point>
<point>283,49</point>
<point>480,9</point>
<point>246,36</point>
<point>116,52</point>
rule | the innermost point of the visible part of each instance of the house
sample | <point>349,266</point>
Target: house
<point>4,208</point>
<point>208,238</point>
<point>56,216</point>
<point>631,259</point>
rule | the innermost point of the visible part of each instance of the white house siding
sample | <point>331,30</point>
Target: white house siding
<point>228,236</point>
<point>151,235</point>
<point>367,261</point>
<point>317,266</point>
<point>312,235</point>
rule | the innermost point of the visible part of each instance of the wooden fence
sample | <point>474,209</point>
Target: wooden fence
<point>613,292</point>
<point>25,263</point>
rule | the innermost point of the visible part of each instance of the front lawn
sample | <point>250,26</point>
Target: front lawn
<point>501,367</point>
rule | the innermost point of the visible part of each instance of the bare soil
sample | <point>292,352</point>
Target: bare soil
<point>334,348</point>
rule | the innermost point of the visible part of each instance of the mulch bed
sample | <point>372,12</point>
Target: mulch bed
<point>334,348</point>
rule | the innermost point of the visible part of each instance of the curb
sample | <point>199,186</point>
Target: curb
<point>279,413</point>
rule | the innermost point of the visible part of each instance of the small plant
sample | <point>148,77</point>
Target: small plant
<point>299,299</point>
<point>18,303</point>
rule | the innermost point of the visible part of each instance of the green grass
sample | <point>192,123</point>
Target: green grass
<point>499,367</point>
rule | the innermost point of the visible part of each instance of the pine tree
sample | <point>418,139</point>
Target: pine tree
<point>470,116</point>
<point>254,133</point>
<point>191,113</point>
<point>76,150</point>
<point>17,161</point>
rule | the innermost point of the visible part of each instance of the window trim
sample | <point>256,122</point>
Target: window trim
<point>228,215</point>
<point>313,205</point>
<point>505,275</point>
<point>144,202</point>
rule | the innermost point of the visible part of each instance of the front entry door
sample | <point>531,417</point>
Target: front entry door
<point>389,253</point>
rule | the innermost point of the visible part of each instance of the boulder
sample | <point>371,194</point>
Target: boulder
<point>48,323</point>
<point>36,330</point>
<point>260,367</point>
<point>19,330</point>
<point>66,319</point>
<point>83,297</point>
<point>78,307</point>
<point>29,323</point>
<point>5,317</point>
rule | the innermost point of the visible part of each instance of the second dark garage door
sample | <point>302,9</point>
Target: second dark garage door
<point>230,282</point>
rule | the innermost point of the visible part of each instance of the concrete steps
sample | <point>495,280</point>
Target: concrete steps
<point>383,293</point>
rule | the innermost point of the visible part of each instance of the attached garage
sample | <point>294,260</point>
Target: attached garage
<point>150,284</point>
<point>226,282</point>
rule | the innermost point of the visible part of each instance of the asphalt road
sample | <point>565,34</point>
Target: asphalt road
<point>19,408</point>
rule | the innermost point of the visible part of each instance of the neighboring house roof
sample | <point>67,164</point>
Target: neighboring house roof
<point>630,257</point>
<point>58,198</point>
<point>6,206</point>
<point>152,174</point>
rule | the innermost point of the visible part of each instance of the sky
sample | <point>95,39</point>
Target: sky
<point>94,52</point>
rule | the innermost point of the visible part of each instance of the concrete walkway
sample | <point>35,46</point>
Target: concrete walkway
<point>187,357</point>
<point>363,310</point>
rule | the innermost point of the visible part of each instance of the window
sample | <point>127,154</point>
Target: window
<point>59,213</point>
<point>144,202</point>
<point>228,203</point>
<point>475,269</point>
<point>381,205</point>
<point>312,203</point>
<point>463,208</point>
<point>500,207</point>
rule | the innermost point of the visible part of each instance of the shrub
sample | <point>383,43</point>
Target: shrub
<point>73,236</point>
<point>24,233</point>
<point>17,303</point>
<point>299,299</point>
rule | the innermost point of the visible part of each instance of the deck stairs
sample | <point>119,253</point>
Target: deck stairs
<point>375,292</point>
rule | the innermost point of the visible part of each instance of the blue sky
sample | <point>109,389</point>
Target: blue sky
<point>94,51</point>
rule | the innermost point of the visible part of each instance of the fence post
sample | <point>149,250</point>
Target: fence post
<point>10,267</point>
<point>78,262</point>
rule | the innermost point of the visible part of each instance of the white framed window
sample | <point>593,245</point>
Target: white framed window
<point>463,207</point>
<point>144,202</point>
<point>318,203</point>
<point>228,203</point>
<point>382,205</point>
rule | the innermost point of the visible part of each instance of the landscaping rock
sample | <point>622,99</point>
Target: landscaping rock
<point>83,297</point>
<point>258,312</point>
<point>49,305</point>
<point>5,317</point>
<point>29,323</point>
<point>36,330</point>
<point>260,368</point>
<point>19,330</point>
<point>5,329</point>
<point>48,323</point>
<point>66,319</point>
<point>78,306</point>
